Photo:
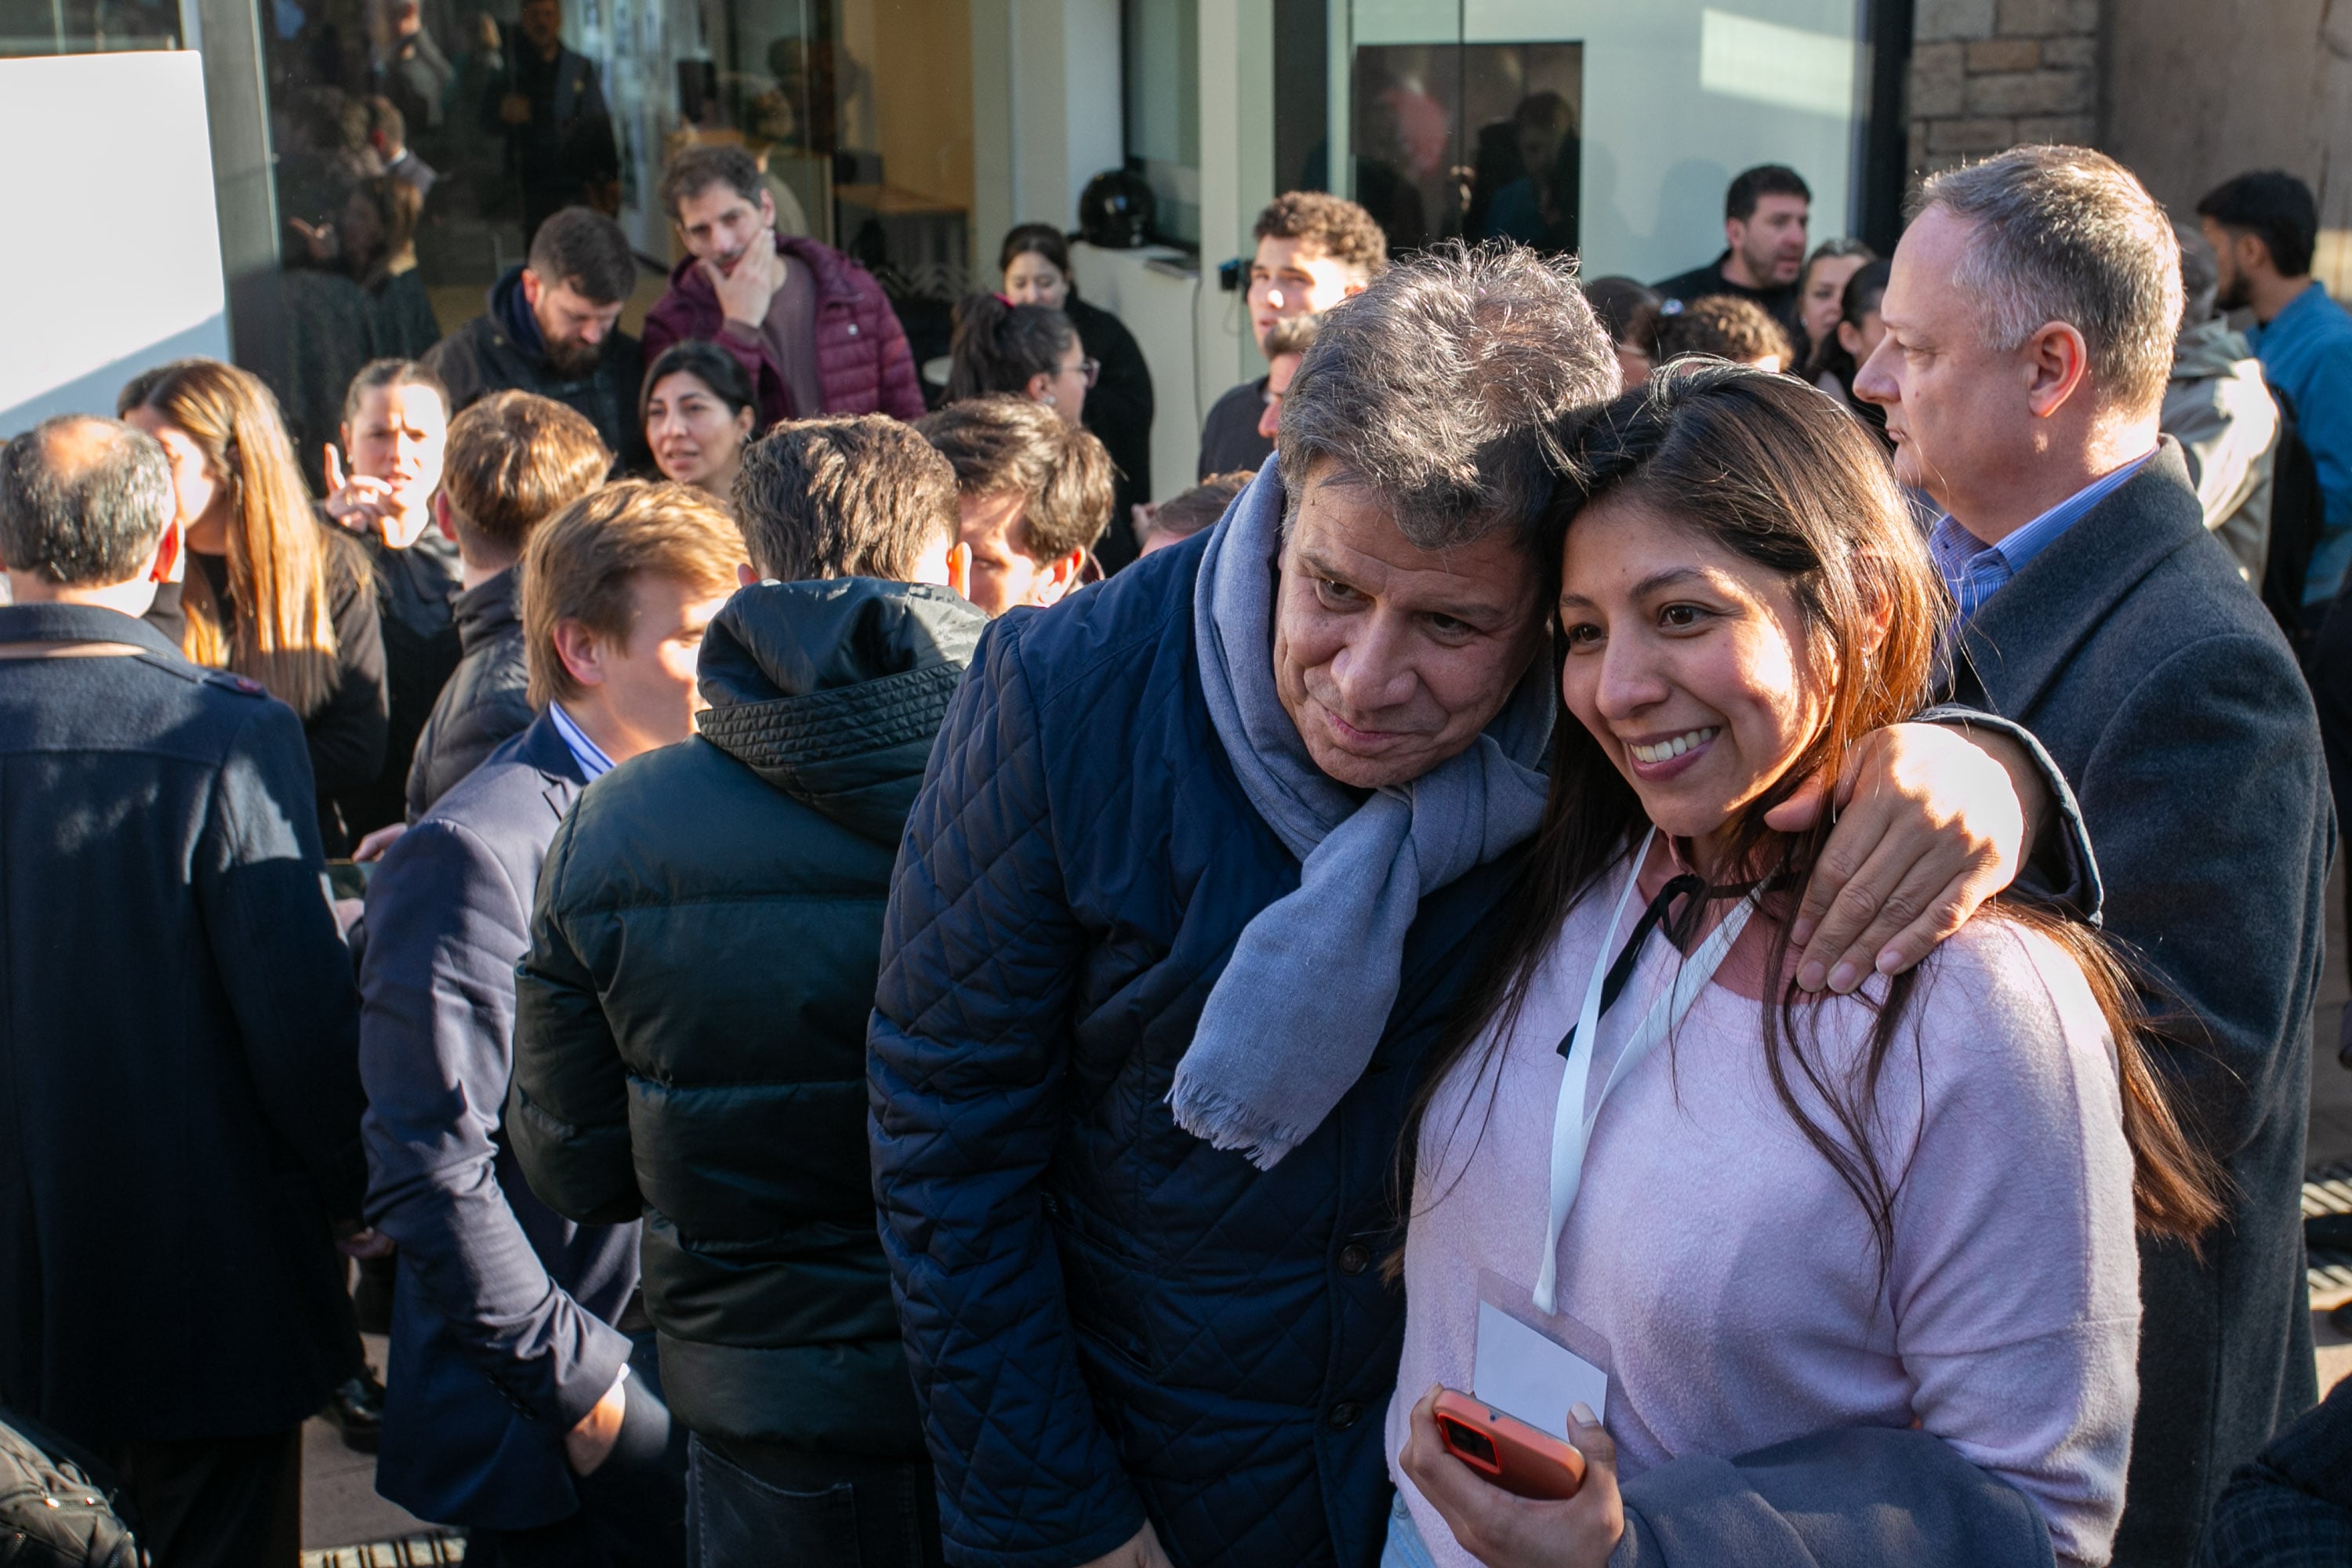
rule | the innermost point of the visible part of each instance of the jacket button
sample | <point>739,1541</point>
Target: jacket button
<point>852,328</point>
<point>1354,1258</point>
<point>1344,1415</point>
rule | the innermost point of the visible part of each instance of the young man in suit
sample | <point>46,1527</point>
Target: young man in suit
<point>2030,322</point>
<point>528,1405</point>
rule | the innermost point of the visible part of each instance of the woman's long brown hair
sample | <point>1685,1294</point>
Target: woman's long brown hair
<point>278,553</point>
<point>1773,470</point>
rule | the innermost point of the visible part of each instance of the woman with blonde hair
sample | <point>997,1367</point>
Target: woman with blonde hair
<point>273,594</point>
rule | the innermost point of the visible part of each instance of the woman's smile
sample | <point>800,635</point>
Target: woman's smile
<point>1664,757</point>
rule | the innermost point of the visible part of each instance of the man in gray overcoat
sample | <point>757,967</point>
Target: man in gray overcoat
<point>2029,325</point>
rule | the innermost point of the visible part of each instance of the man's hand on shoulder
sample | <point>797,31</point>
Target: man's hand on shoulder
<point>1932,820</point>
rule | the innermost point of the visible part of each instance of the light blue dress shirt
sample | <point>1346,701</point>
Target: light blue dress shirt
<point>1973,569</point>
<point>594,763</point>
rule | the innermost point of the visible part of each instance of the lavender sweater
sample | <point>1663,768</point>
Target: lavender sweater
<point>1732,1275</point>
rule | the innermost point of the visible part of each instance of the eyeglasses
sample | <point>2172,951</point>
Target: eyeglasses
<point>1093,369</point>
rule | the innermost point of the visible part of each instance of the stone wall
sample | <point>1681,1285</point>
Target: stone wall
<point>1987,75</point>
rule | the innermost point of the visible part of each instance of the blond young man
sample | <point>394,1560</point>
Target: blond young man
<point>523,1409</point>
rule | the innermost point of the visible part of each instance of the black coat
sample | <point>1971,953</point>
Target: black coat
<point>486,700</point>
<point>179,1078</point>
<point>415,591</point>
<point>1118,411</point>
<point>1229,437</point>
<point>690,1023</point>
<point>2165,694</point>
<point>501,351</point>
<point>346,734</point>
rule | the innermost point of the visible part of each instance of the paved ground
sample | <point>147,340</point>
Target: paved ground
<point>341,1508</point>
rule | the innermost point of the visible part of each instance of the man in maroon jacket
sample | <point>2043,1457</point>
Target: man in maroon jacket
<point>812,328</point>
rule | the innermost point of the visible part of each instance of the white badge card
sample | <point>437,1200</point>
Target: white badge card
<point>1532,1364</point>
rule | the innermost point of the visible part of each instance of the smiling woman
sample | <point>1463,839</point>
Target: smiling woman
<point>1742,597</point>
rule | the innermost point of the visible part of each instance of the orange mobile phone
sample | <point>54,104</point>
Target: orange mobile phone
<point>1510,1454</point>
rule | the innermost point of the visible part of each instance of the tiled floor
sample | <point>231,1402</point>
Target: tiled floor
<point>340,1505</point>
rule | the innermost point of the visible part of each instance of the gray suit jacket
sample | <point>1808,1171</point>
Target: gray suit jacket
<point>2165,694</point>
<point>502,1333</point>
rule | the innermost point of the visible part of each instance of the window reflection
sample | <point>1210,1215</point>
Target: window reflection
<point>1470,140</point>
<point>486,118</point>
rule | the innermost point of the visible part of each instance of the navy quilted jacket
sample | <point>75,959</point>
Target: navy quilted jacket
<point>1108,1318</point>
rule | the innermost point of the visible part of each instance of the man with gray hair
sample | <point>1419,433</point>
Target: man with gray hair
<point>178,1036</point>
<point>1202,858</point>
<point>2030,321</point>
<point>2218,410</point>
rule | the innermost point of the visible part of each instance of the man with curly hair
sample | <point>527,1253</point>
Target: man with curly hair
<point>1313,251</point>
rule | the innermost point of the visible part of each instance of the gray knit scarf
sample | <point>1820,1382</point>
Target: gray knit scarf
<point>1295,1017</point>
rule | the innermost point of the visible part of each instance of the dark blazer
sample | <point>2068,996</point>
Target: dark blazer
<point>2165,692</point>
<point>485,702</point>
<point>501,1323</point>
<point>179,1088</point>
<point>2292,1508</point>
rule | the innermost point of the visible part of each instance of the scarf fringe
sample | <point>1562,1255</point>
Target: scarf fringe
<point>1224,1120</point>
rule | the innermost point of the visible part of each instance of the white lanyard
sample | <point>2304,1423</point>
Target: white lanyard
<point>1572,1127</point>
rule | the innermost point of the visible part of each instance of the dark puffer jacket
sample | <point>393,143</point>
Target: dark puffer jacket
<point>690,1028</point>
<point>1108,1318</point>
<point>503,349</point>
<point>485,702</point>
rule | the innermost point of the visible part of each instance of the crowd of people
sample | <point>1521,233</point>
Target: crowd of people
<point>1731,871</point>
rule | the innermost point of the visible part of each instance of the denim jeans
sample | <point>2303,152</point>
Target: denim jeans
<point>1405,1548</point>
<point>755,1503</point>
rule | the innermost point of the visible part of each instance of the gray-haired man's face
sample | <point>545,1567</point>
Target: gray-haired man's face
<point>1389,657</point>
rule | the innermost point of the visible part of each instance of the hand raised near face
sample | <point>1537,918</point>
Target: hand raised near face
<point>744,293</point>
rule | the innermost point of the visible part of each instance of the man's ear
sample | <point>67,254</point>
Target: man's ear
<point>744,574</point>
<point>531,287</point>
<point>442,519</point>
<point>2252,253</point>
<point>581,651</point>
<point>767,207</point>
<point>163,568</point>
<point>2056,359</point>
<point>1058,578</point>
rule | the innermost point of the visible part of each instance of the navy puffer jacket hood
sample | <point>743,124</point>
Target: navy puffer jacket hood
<point>691,1020</point>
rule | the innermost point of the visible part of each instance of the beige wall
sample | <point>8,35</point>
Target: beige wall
<point>2197,90</point>
<point>920,55</point>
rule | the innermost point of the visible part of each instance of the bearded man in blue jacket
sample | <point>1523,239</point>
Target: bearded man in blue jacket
<point>1184,902</point>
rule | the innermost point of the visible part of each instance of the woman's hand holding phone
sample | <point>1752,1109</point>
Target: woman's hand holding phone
<point>1503,1531</point>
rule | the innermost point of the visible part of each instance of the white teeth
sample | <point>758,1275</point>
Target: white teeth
<point>1665,749</point>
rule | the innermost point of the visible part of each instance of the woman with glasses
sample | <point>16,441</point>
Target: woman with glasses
<point>1035,262</point>
<point>1031,351</point>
